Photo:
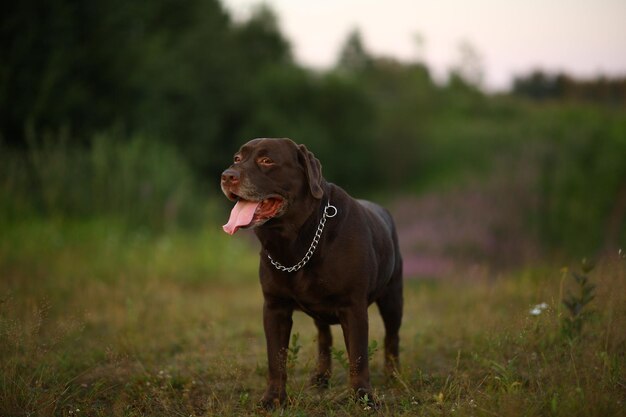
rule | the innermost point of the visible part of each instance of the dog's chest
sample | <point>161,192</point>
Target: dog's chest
<point>315,294</point>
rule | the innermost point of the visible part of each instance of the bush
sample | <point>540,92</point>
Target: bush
<point>143,182</point>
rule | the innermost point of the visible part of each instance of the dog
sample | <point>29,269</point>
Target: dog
<point>322,252</point>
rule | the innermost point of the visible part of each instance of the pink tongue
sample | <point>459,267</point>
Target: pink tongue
<point>241,215</point>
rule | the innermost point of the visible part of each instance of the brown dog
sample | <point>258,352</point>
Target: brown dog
<point>323,253</point>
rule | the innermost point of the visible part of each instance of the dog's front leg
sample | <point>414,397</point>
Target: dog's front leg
<point>355,331</point>
<point>277,324</point>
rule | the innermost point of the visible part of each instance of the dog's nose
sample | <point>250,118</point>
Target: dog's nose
<point>230,177</point>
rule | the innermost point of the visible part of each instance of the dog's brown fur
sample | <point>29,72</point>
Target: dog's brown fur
<point>356,263</point>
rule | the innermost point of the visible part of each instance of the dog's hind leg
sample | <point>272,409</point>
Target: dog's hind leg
<point>324,342</point>
<point>390,307</point>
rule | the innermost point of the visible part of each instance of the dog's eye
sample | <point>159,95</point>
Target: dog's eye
<point>237,159</point>
<point>265,161</point>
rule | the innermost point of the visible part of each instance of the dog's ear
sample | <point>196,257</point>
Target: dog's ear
<point>313,169</point>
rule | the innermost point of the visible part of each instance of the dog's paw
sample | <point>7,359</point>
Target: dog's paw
<point>272,400</point>
<point>365,398</point>
<point>320,380</point>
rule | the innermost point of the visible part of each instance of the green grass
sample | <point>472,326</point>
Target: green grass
<point>99,320</point>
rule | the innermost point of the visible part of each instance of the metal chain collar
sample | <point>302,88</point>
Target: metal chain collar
<point>329,211</point>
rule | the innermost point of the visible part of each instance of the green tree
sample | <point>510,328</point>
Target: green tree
<point>353,55</point>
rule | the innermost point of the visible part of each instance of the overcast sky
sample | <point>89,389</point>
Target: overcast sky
<point>581,37</point>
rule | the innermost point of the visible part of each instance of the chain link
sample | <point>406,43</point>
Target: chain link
<point>329,211</point>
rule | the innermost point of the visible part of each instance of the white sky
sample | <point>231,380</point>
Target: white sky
<point>583,37</point>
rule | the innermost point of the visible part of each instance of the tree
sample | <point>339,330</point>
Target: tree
<point>469,66</point>
<point>353,56</point>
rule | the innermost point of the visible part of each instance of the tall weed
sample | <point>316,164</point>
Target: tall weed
<point>576,304</point>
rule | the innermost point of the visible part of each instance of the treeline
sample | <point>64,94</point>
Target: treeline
<point>186,74</point>
<point>540,85</point>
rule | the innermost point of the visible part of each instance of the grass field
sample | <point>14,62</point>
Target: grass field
<point>96,320</point>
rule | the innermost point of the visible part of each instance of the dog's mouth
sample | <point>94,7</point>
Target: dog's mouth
<point>251,213</point>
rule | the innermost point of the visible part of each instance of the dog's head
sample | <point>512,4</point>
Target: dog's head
<point>267,179</point>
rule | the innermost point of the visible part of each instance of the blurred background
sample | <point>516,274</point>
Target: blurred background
<point>496,134</point>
